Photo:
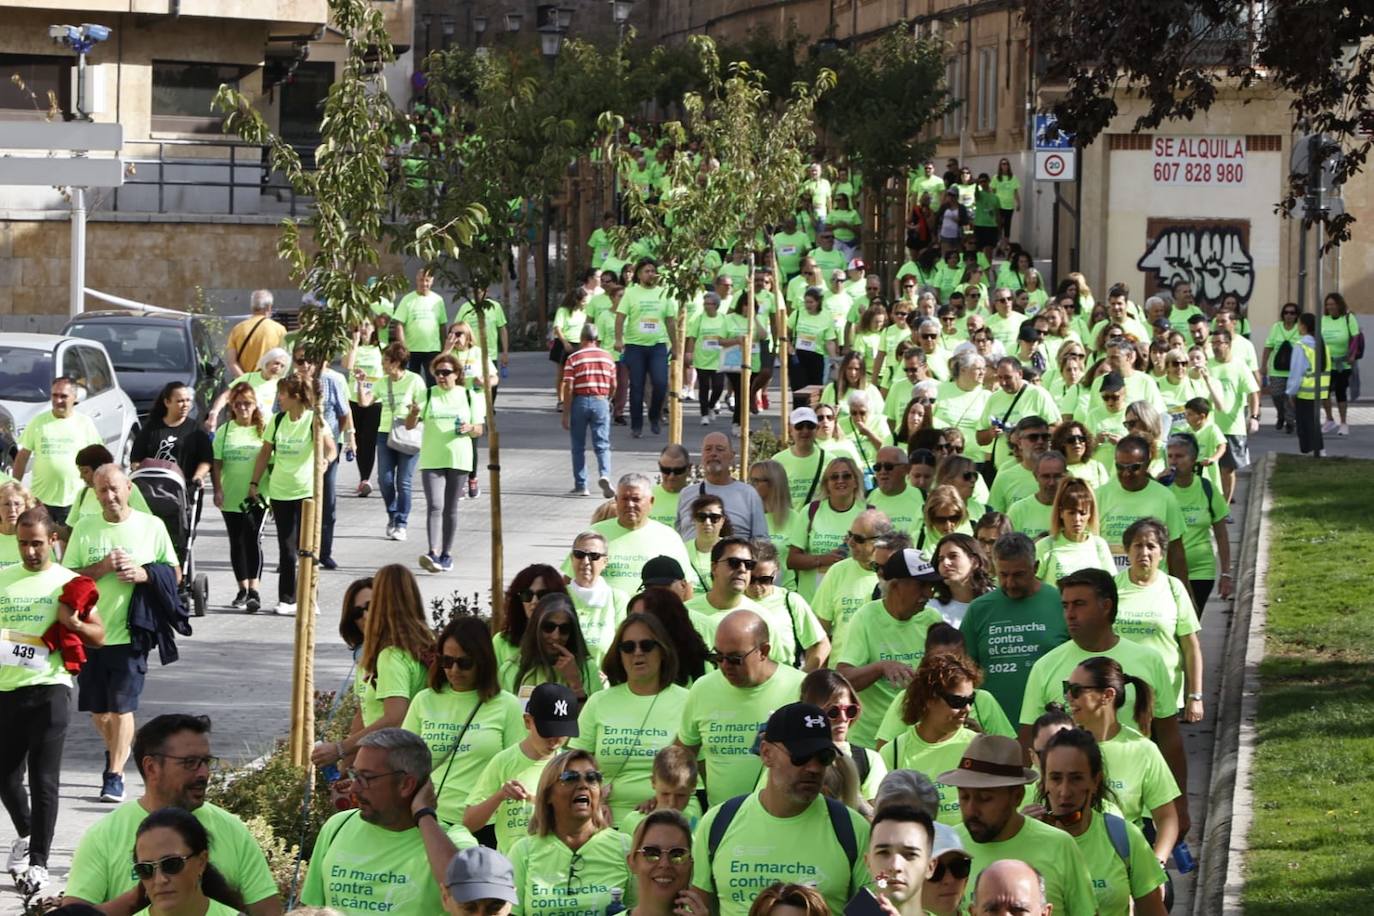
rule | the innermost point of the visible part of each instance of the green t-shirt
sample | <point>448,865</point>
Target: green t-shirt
<point>1057,557</point>
<point>1140,386</point>
<point>492,314</point>
<point>423,318</point>
<point>396,398</point>
<point>724,720</point>
<point>1137,773</point>
<point>759,849</point>
<point>962,410</point>
<point>28,606</point>
<point>599,611</point>
<point>293,457</point>
<point>1278,336</point>
<point>906,510</point>
<point>1011,483</point>
<point>86,504</point>
<point>215,908</point>
<point>1031,401</point>
<point>986,712</point>
<point>605,332</point>
<point>803,474</point>
<point>1030,516</point>
<point>1157,615</point>
<point>1118,509</point>
<point>845,588</point>
<point>1090,471</point>
<point>551,878</point>
<point>360,868</point>
<point>706,617</point>
<point>54,478</point>
<point>707,331</point>
<point>829,261</point>
<point>1178,317</point>
<point>874,635</point>
<point>790,619</point>
<point>439,716</point>
<point>1053,853</point>
<point>511,818</point>
<point>820,532</point>
<point>144,537</point>
<point>569,323</point>
<point>510,670</point>
<point>9,551</point>
<point>1047,677</point>
<point>399,674</point>
<point>1175,396</point>
<point>810,332</point>
<point>1237,383</point>
<point>1199,515</point>
<point>1005,187</point>
<point>664,509</point>
<point>985,207</point>
<point>1006,636</point>
<point>237,447</point>
<point>909,751</point>
<point>1114,884</point>
<point>646,312</point>
<point>790,247</point>
<point>628,550</point>
<point>102,865</point>
<point>843,223</point>
<point>625,730</point>
<point>441,447</point>
<point>1336,335</point>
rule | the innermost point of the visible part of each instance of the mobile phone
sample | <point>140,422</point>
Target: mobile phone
<point>864,904</point>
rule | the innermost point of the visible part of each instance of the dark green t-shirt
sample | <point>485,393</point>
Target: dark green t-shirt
<point>1006,636</point>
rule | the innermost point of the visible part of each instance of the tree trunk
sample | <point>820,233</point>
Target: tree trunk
<point>745,371</point>
<point>781,348</point>
<point>303,670</point>
<point>493,464</point>
<point>675,377</point>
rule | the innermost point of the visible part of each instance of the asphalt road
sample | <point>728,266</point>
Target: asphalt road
<point>237,667</point>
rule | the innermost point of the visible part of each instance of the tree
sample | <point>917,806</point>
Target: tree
<point>886,96</point>
<point>349,190</point>
<point>1176,54</point>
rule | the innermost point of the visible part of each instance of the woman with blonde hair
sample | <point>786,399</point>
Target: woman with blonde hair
<point>769,480</point>
<point>789,900</point>
<point>959,472</point>
<point>1070,384</point>
<point>1073,543</point>
<point>15,500</point>
<point>236,449</point>
<point>1143,420</point>
<point>398,646</point>
<point>817,545</point>
<point>945,513</point>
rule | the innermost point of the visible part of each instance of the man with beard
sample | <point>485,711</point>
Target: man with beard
<point>992,786</point>
<point>786,828</point>
<point>743,507</point>
<point>172,753</point>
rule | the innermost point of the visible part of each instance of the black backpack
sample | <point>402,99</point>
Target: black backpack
<point>1283,356</point>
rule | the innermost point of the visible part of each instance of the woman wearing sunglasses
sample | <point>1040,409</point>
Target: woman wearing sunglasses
<point>529,585</point>
<point>961,401</point>
<point>357,597</point>
<point>1143,420</point>
<point>1074,441</point>
<point>624,725</point>
<point>959,472</point>
<point>1073,543</point>
<point>172,864</point>
<point>598,604</point>
<point>572,858</point>
<point>1073,788</point>
<point>943,892</point>
<point>1179,386</point>
<point>1283,339</point>
<point>819,542</point>
<point>945,513</point>
<point>829,438</point>
<point>553,650</point>
<point>661,863</point>
<point>452,415</point>
<point>711,524</point>
<point>936,707</point>
<point>1141,780</point>
<point>1068,382</point>
<point>463,694</point>
<point>833,693</point>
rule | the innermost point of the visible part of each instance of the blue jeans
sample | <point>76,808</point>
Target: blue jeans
<point>394,473</point>
<point>331,476</point>
<point>593,412</point>
<point>653,362</point>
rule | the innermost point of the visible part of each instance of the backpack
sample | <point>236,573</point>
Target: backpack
<point>1121,841</point>
<point>862,764</point>
<point>1283,356</point>
<point>839,821</point>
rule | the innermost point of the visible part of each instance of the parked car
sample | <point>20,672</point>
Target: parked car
<point>29,363</point>
<point>150,349</point>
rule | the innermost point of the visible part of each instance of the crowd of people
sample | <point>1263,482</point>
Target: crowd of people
<point>998,519</point>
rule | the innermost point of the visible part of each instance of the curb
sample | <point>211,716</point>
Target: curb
<point>1221,860</point>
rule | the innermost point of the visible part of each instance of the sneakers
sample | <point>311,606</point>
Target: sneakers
<point>706,421</point>
<point>653,428</point>
<point>112,788</point>
<point>32,881</point>
<point>604,482</point>
<point>364,488</point>
<point>253,603</point>
<point>390,532</point>
<point>1343,429</point>
<point>764,397</point>
<point>446,563</point>
<point>1330,426</point>
<point>620,421</point>
<point>19,856</point>
<point>579,491</point>
<point>398,533</point>
<point>429,562</point>
<point>240,600</point>
<point>285,609</point>
<point>329,563</point>
<point>637,433</point>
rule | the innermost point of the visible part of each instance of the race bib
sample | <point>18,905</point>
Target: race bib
<point>648,326</point>
<point>22,650</point>
<point>806,343</point>
<point>788,250</point>
<point>710,343</point>
<point>1119,557</point>
<point>731,360</point>
<point>1178,417</point>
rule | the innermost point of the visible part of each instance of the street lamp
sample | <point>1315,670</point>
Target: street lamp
<point>620,11</point>
<point>479,25</point>
<point>564,16</point>
<point>513,21</point>
<point>550,41</point>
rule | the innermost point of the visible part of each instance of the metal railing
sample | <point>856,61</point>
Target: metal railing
<point>189,172</point>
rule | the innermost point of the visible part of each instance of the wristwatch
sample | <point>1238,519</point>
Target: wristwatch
<point>1191,696</point>
<point>423,812</point>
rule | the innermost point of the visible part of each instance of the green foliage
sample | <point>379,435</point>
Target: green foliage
<point>764,442</point>
<point>886,94</point>
<point>443,611</point>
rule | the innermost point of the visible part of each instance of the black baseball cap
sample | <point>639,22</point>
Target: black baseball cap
<point>801,728</point>
<point>1113,381</point>
<point>553,707</point>
<point>662,571</point>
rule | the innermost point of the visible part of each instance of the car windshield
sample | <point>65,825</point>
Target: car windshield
<point>25,374</point>
<point>135,347</point>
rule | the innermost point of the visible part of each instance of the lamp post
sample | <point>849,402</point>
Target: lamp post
<point>479,28</point>
<point>514,21</point>
<point>620,14</point>
<point>550,42</point>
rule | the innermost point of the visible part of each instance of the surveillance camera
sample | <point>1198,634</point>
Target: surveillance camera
<point>63,33</point>
<point>93,32</point>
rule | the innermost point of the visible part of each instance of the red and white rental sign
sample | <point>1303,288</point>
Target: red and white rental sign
<point>1199,161</point>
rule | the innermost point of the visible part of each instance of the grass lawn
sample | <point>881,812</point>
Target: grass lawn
<point>1312,841</point>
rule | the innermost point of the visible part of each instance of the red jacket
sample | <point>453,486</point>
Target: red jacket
<point>80,595</point>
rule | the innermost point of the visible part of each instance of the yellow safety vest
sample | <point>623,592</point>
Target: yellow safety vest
<point>1308,390</point>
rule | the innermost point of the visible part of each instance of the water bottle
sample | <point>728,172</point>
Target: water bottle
<point>349,454</point>
<point>505,373</point>
<point>331,773</point>
<point>1183,858</point>
<point>615,906</point>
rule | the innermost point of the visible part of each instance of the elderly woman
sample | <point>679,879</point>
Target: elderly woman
<point>1070,385</point>
<point>271,370</point>
<point>867,429</point>
<point>15,500</point>
<point>572,858</point>
<point>599,605</point>
<point>1179,386</point>
<point>961,400</point>
<point>818,542</point>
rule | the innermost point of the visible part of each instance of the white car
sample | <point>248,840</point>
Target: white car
<point>29,363</point>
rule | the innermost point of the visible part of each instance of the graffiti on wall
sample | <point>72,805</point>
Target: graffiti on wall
<point>1211,254</point>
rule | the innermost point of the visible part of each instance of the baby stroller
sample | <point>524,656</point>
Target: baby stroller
<point>164,487</point>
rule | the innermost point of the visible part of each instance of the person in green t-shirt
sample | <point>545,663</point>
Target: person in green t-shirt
<point>849,584</point>
<point>502,794</point>
<point>1072,542</point>
<point>50,441</point>
<point>646,320</point>
<point>991,784</point>
<point>1073,788</point>
<point>790,246</point>
<point>1134,494</point>
<point>566,326</point>
<point>491,315</point>
<point>419,322</point>
<point>633,538</point>
<point>1284,331</point>
<point>787,827</point>
<point>803,460</point>
<point>401,393</point>
<point>987,215</point>
<point>452,415</point>
<point>1008,189</point>
<point>236,449</point>
<point>1205,516</point>
<point>708,333</point>
<point>818,533</point>
<point>552,650</point>
<point>1031,514</point>
<point>674,464</point>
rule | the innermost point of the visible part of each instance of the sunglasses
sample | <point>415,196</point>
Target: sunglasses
<point>670,472</point>
<point>465,663</point>
<point>645,646</point>
<point>676,854</point>
<point>825,417</point>
<point>736,658</point>
<point>550,626</point>
<point>860,539</point>
<point>946,519</point>
<point>1076,439</point>
<point>886,466</point>
<point>902,314</point>
<point>804,424</point>
<point>957,700</point>
<point>969,476</point>
<point>826,756</point>
<point>590,777</point>
<point>527,595</point>
<point>945,447</point>
<point>1075,691</point>
<point>836,478</point>
<point>1178,362</point>
<point>1132,468</point>
<point>739,562</point>
<point>848,711</point>
<point>930,336</point>
<point>587,555</point>
<point>762,580</point>
<point>959,868</point>
<point>912,370</point>
<point>169,865</point>
<point>302,361</point>
<point>1036,437</point>
<point>712,517</point>
<point>1111,397</point>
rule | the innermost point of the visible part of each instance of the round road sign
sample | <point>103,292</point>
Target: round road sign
<point>1054,165</point>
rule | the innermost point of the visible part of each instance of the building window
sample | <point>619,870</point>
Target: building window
<point>987,90</point>
<point>182,93</point>
<point>954,82</point>
<point>46,85</point>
